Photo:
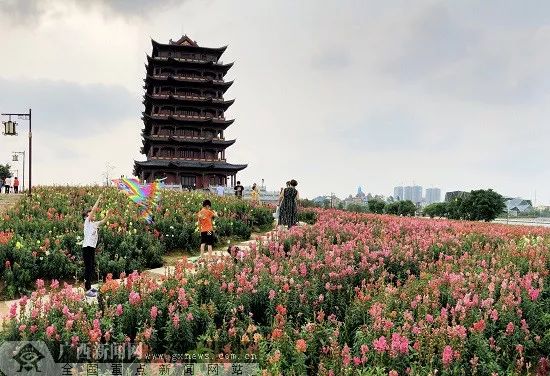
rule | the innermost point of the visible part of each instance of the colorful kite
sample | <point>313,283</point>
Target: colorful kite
<point>145,196</point>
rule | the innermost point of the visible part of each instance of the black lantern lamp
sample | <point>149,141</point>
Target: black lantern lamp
<point>9,128</point>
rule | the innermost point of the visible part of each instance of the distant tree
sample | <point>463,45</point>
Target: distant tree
<point>5,171</point>
<point>407,208</point>
<point>357,208</point>
<point>376,206</point>
<point>341,205</point>
<point>390,199</point>
<point>454,208</point>
<point>483,205</point>
<point>393,208</point>
<point>306,203</point>
<point>438,209</point>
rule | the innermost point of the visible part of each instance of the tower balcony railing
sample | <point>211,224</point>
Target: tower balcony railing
<point>183,116</point>
<point>166,95</point>
<point>188,60</point>
<point>186,78</point>
<point>166,136</point>
<point>186,159</point>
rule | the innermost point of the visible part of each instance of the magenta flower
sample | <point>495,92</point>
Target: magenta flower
<point>447,356</point>
<point>119,310</point>
<point>154,312</point>
<point>380,344</point>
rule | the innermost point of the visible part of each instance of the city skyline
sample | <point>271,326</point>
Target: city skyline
<point>311,104</point>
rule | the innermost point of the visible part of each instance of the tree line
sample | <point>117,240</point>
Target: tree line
<point>477,205</point>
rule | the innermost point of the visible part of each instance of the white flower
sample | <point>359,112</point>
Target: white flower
<point>47,253</point>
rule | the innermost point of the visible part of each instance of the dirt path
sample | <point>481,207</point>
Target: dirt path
<point>7,201</point>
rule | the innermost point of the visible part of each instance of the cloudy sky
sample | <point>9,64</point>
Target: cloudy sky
<point>333,93</point>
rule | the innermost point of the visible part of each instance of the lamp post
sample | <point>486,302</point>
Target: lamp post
<point>15,159</point>
<point>10,130</point>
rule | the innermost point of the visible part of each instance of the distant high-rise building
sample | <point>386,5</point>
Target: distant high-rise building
<point>433,195</point>
<point>416,194</point>
<point>398,193</point>
<point>407,193</point>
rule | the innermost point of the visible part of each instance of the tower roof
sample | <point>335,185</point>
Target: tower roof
<point>184,41</point>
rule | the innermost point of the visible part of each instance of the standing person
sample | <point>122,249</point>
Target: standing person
<point>220,190</point>
<point>16,185</point>
<point>205,215</point>
<point>7,184</point>
<point>288,213</point>
<point>1,184</point>
<point>89,244</point>
<point>255,194</point>
<point>239,190</point>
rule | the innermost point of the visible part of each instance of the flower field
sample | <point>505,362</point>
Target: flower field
<point>353,294</point>
<point>41,237</point>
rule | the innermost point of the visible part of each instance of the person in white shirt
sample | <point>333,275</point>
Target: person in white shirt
<point>91,234</point>
<point>7,185</point>
<point>220,190</point>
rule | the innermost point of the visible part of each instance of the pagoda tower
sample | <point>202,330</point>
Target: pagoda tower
<point>184,119</point>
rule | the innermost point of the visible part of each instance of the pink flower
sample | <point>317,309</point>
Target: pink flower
<point>429,318</point>
<point>50,331</point>
<point>34,329</point>
<point>147,333</point>
<point>154,312</point>
<point>364,349</point>
<point>510,328</point>
<point>271,294</point>
<point>22,327</point>
<point>74,341</point>
<point>54,284</point>
<point>393,373</point>
<point>7,264</point>
<point>13,310</point>
<point>534,293</point>
<point>119,310</point>
<point>380,344</point>
<point>479,326</point>
<point>356,361</point>
<point>39,284</point>
<point>346,357</point>
<point>399,344</point>
<point>134,298</point>
<point>189,317</point>
<point>301,346</point>
<point>69,324</point>
<point>447,355</point>
<point>176,321</point>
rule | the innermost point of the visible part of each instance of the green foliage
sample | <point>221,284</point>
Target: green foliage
<point>376,206</point>
<point>483,205</point>
<point>5,171</point>
<point>438,209</point>
<point>405,208</point>
<point>44,233</point>
<point>358,208</point>
<point>307,216</point>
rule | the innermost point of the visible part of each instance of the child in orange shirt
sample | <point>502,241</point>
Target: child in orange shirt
<point>205,215</point>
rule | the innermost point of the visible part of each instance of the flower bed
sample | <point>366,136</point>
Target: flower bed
<point>353,294</point>
<point>41,237</point>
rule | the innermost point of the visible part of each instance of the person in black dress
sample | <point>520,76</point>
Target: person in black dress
<point>288,207</point>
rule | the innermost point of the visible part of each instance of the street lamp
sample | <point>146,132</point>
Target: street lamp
<point>9,130</point>
<point>15,158</point>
